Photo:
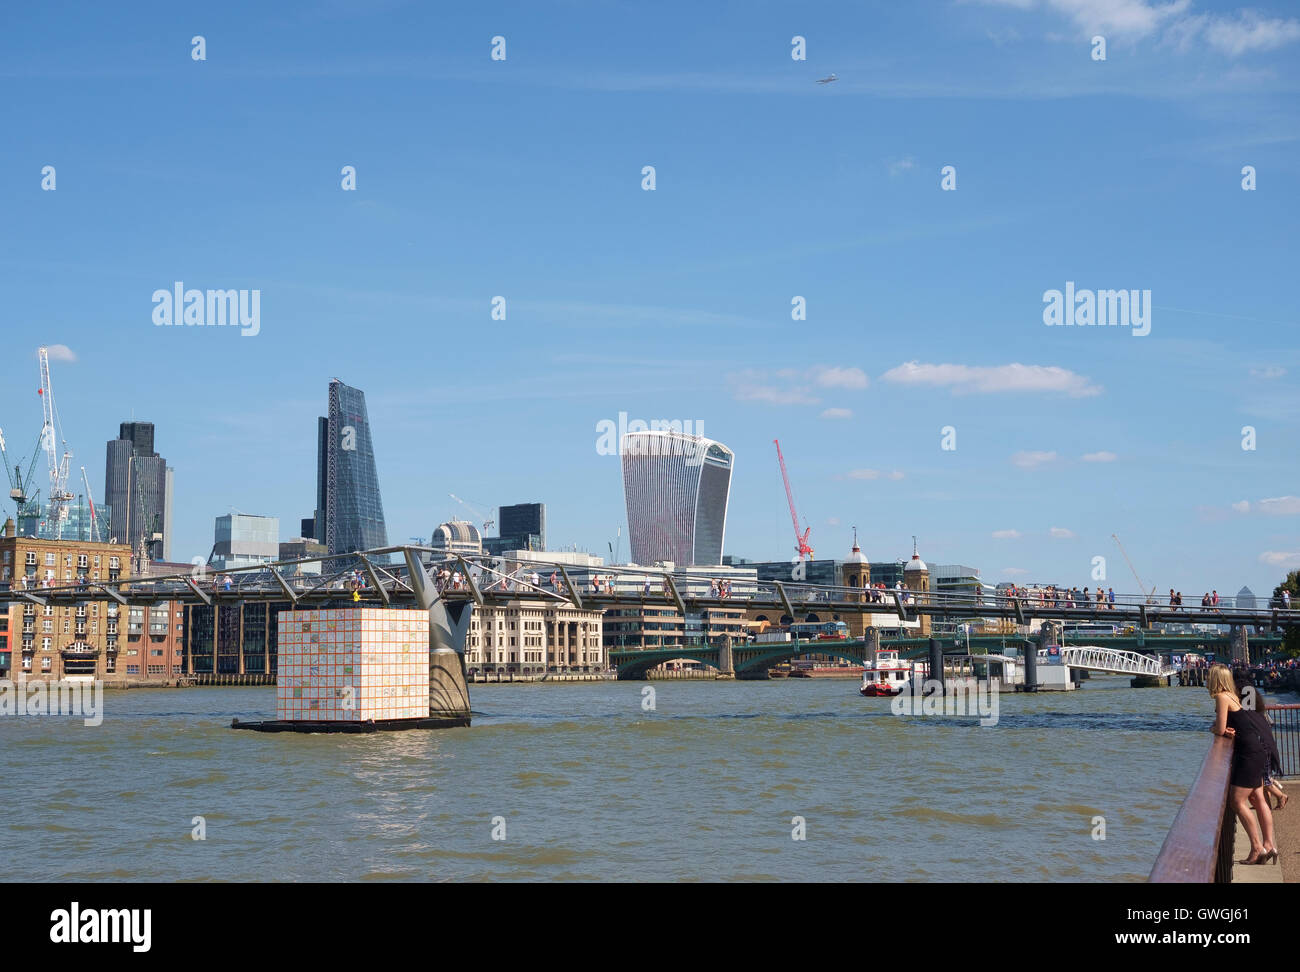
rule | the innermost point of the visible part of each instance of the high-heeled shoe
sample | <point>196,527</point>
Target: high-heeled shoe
<point>1267,856</point>
<point>1254,858</point>
<point>1282,801</point>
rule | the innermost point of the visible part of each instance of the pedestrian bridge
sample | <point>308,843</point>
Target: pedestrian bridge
<point>1098,659</point>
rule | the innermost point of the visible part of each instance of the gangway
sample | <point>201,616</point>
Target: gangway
<point>1098,659</point>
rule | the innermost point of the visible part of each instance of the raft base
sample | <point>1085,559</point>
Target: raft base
<point>371,725</point>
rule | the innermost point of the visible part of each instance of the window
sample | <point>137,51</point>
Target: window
<point>30,559</point>
<point>67,561</point>
<point>49,610</point>
<point>50,560</point>
<point>45,663</point>
<point>82,560</point>
<point>156,652</point>
<point>113,563</point>
<point>133,669</point>
<point>45,644</point>
<point>96,561</point>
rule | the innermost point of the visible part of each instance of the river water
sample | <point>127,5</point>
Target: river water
<point>589,785</point>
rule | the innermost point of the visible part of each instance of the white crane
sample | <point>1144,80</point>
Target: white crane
<point>59,495</point>
<point>481,514</point>
<point>1150,595</point>
<point>94,520</point>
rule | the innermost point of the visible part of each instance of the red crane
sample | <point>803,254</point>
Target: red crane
<point>800,540</point>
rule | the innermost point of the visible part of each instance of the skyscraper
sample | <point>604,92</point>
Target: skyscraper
<point>137,489</point>
<point>522,526</point>
<point>351,511</point>
<point>676,487</point>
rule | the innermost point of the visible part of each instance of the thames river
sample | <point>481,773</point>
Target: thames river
<point>581,782</point>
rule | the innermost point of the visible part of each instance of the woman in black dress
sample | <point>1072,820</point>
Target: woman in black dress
<point>1250,758</point>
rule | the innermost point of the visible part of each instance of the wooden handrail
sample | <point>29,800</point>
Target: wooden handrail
<point>1190,853</point>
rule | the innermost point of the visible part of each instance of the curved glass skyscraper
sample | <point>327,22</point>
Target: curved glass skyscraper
<point>676,487</point>
<point>353,509</point>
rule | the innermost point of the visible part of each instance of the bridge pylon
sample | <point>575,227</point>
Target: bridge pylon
<point>448,625</point>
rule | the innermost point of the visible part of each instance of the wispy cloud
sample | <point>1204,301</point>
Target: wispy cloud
<point>1061,533</point>
<point>873,474</point>
<point>1006,534</point>
<point>1267,373</point>
<point>61,352</point>
<point>793,386</point>
<point>1014,571</point>
<point>1030,459</point>
<point>1279,506</point>
<point>1281,558</point>
<point>898,166</point>
<point>837,413</point>
<point>1100,457</point>
<point>983,380</point>
<point>1242,507</point>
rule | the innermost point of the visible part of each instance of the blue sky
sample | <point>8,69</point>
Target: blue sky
<point>522,178</point>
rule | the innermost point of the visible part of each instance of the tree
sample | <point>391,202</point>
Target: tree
<point>1291,635</point>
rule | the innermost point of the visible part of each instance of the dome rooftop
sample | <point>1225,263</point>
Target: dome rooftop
<point>455,531</point>
<point>916,563</point>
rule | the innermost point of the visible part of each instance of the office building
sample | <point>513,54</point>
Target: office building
<point>138,491</point>
<point>243,540</point>
<point>456,538</point>
<point>350,509</point>
<point>81,638</point>
<point>297,549</point>
<point>676,487</point>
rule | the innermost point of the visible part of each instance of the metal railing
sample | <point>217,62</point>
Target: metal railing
<point>1198,848</point>
<point>1286,733</point>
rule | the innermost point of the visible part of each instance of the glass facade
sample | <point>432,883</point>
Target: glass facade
<point>676,487</point>
<point>242,540</point>
<point>136,489</point>
<point>522,527</point>
<point>354,508</point>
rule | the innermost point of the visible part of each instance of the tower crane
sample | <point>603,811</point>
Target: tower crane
<point>800,540</point>
<point>479,513</point>
<point>20,484</point>
<point>1150,595</point>
<point>59,496</point>
<point>94,519</point>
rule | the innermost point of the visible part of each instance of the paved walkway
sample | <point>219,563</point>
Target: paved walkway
<point>1286,831</point>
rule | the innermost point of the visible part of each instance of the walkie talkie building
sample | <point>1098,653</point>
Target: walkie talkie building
<point>676,487</point>
<point>354,509</point>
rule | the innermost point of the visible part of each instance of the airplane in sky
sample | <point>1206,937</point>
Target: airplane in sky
<point>828,79</point>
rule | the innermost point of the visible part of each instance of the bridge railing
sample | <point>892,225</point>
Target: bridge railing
<point>1199,846</point>
<point>1286,733</point>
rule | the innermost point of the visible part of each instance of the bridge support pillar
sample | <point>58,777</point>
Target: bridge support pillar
<point>448,625</point>
<point>1240,645</point>
<point>725,664</point>
<point>936,664</point>
<point>872,638</point>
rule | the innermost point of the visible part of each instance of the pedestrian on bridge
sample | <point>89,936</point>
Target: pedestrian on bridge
<point>1250,737</point>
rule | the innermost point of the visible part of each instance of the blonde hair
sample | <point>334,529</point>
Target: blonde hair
<point>1219,680</point>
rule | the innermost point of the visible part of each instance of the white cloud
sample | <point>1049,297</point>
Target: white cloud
<point>976,379</point>
<point>1242,507</point>
<point>1028,460</point>
<point>61,352</point>
<point>832,521</point>
<point>899,166</point>
<point>757,386</point>
<point>1280,558</point>
<point>1006,534</point>
<point>793,386</point>
<point>1061,533</point>
<point>828,376</point>
<point>873,474</point>
<point>1100,457</point>
<point>1014,571</point>
<point>837,413</point>
<point>1250,32</point>
<point>1173,20</point>
<point>1279,505</point>
<point>1267,373</point>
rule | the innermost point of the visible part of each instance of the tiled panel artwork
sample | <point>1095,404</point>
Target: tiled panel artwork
<point>353,665</point>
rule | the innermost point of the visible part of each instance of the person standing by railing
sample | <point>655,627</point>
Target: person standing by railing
<point>1250,760</point>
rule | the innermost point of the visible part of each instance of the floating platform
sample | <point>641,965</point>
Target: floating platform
<point>338,725</point>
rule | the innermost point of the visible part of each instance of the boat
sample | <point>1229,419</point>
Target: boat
<point>886,675</point>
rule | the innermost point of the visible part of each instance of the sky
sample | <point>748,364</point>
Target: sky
<point>921,394</point>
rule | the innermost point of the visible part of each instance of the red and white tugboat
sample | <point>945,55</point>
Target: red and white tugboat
<point>886,675</point>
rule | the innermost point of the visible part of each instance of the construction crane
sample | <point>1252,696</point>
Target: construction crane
<point>478,512</point>
<point>59,497</point>
<point>20,484</point>
<point>1150,595</point>
<point>800,540</point>
<point>94,520</point>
